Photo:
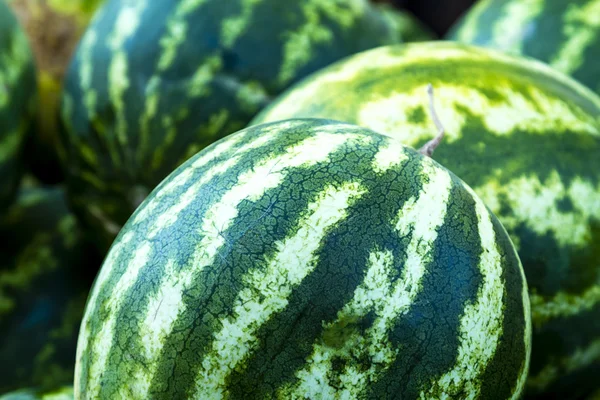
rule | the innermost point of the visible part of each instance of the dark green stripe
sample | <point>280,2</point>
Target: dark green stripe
<point>561,338</point>
<point>177,242</point>
<point>288,337</point>
<point>47,282</point>
<point>549,24</point>
<point>428,336</point>
<point>257,229</point>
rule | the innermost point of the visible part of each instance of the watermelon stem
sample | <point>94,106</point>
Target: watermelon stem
<point>429,147</point>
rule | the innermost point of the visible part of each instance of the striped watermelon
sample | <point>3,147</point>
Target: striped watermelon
<point>63,393</point>
<point>153,82</point>
<point>562,33</point>
<point>53,27</point>
<point>45,276</point>
<point>17,102</point>
<point>527,139</point>
<point>307,258</point>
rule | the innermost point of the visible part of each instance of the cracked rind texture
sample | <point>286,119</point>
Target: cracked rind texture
<point>18,101</point>
<point>45,276</point>
<point>307,259</point>
<point>526,138</point>
<point>562,33</point>
<point>152,83</point>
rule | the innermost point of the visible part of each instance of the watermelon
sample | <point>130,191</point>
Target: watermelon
<point>17,102</point>
<point>562,33</point>
<point>45,275</point>
<point>62,393</point>
<point>54,28</point>
<point>409,27</point>
<point>307,258</point>
<point>527,139</point>
<point>153,82</point>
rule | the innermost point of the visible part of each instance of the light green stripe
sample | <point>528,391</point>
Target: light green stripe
<point>563,305</point>
<point>481,324</point>
<point>9,144</point>
<point>126,25</point>
<point>13,63</point>
<point>535,204</point>
<point>86,72</point>
<point>176,28</point>
<point>419,218</point>
<point>84,341</point>
<point>508,32</point>
<point>582,28</point>
<point>536,113</point>
<point>267,290</point>
<point>251,185</point>
<point>233,27</point>
<point>298,47</point>
<point>471,24</point>
<point>176,32</point>
<point>101,343</point>
<point>581,358</point>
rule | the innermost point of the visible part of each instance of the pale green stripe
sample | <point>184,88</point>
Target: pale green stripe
<point>471,24</point>
<point>420,219</point>
<point>9,144</point>
<point>177,28</point>
<point>267,290</point>
<point>86,72</point>
<point>582,28</point>
<point>101,343</point>
<point>481,324</point>
<point>127,22</point>
<point>535,203</point>
<point>267,173</point>
<point>13,64</point>
<point>508,31</point>
<point>581,358</point>
<point>84,341</point>
<point>233,27</point>
<point>299,44</point>
<point>563,305</point>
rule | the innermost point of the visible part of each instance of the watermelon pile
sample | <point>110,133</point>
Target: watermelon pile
<point>310,199</point>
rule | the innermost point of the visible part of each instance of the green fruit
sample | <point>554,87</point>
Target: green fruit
<point>45,275</point>
<point>17,102</point>
<point>527,139</point>
<point>307,259</point>
<point>562,33</point>
<point>54,28</point>
<point>63,393</point>
<point>409,27</point>
<point>152,83</point>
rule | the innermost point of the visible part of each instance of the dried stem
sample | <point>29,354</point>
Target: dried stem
<point>429,147</point>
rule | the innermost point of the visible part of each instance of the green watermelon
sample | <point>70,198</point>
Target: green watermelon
<point>45,276</point>
<point>153,82</point>
<point>409,27</point>
<point>562,33</point>
<point>17,102</point>
<point>307,259</point>
<point>63,393</point>
<point>527,139</point>
<point>54,28</point>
